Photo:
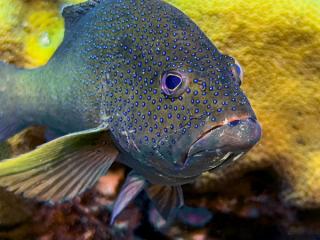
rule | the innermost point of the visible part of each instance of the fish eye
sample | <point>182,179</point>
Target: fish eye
<point>237,70</point>
<point>173,83</point>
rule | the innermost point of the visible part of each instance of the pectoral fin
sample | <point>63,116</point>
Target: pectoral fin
<point>167,199</point>
<point>61,169</point>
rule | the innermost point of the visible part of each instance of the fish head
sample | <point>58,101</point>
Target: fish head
<point>181,110</point>
<point>210,121</point>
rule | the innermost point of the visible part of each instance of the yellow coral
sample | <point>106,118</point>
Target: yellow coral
<point>30,31</point>
<point>278,44</point>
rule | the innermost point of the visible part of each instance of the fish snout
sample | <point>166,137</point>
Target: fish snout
<point>223,143</point>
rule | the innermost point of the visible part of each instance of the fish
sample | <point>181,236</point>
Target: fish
<point>135,82</point>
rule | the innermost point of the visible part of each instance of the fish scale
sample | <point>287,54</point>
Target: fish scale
<point>135,82</point>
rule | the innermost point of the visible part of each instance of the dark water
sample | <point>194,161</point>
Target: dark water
<point>251,209</point>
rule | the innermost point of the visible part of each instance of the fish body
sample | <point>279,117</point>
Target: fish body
<point>136,82</point>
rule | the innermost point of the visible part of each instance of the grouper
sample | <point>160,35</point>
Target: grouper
<point>136,82</point>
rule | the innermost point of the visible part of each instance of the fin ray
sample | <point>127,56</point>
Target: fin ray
<point>133,185</point>
<point>70,190</point>
<point>62,168</point>
<point>52,193</point>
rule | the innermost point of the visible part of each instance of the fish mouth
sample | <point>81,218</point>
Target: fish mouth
<point>224,142</point>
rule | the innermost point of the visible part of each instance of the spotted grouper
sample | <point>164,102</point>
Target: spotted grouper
<point>136,82</point>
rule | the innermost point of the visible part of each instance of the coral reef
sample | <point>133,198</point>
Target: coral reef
<point>278,45</point>
<point>30,30</point>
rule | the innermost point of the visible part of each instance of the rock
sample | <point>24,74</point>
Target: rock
<point>15,211</point>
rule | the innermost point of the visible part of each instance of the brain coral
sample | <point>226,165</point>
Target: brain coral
<point>278,44</point>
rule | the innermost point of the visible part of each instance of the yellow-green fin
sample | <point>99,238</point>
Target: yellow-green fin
<point>61,169</point>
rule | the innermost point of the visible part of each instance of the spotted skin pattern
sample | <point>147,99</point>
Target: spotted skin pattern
<point>109,71</point>
<point>150,38</point>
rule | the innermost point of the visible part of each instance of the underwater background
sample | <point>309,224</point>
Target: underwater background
<point>273,193</point>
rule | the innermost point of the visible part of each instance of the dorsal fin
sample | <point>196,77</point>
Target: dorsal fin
<point>73,13</point>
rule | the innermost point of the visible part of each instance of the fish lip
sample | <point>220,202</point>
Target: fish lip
<point>220,151</point>
<point>232,156</point>
<point>218,125</point>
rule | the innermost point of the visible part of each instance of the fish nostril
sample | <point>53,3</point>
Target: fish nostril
<point>234,123</point>
<point>252,119</point>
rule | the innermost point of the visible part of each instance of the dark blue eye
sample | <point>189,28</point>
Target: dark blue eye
<point>173,81</point>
